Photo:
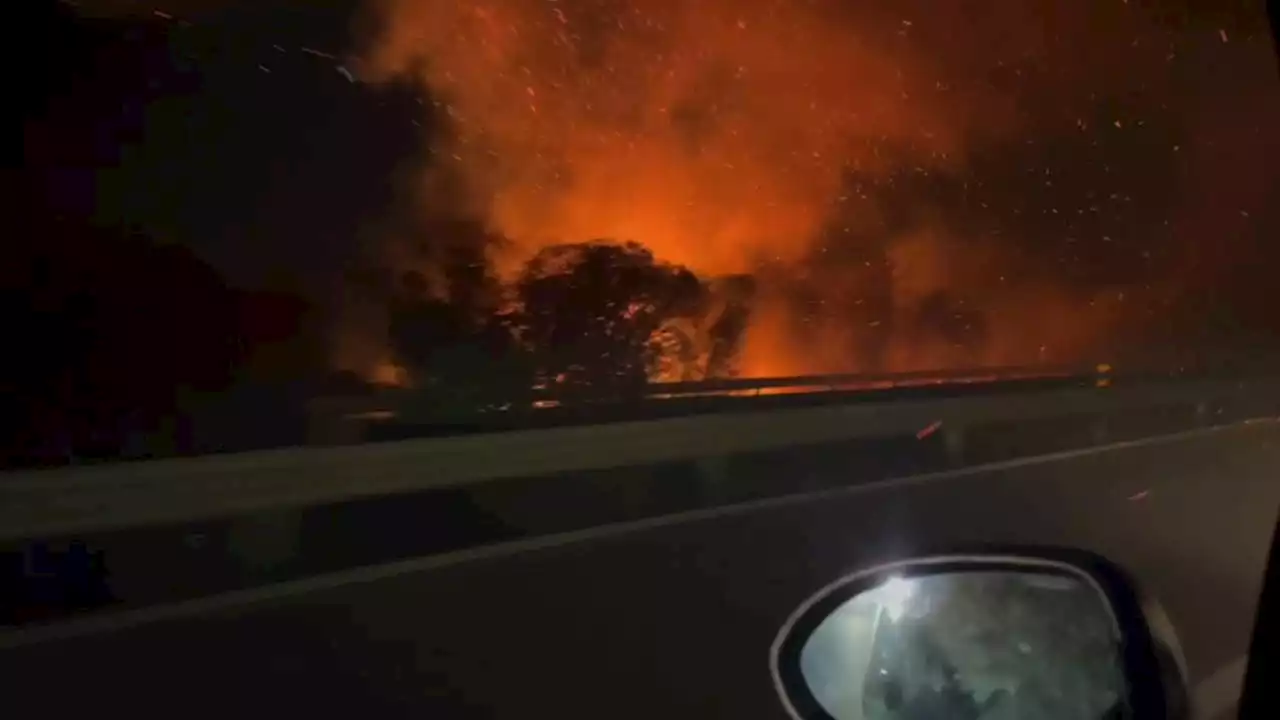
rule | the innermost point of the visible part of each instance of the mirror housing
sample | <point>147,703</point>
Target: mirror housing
<point>933,629</point>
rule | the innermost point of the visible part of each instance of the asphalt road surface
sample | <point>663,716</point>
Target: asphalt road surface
<point>670,617</point>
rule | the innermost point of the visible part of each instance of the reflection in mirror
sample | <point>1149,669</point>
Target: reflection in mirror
<point>985,645</point>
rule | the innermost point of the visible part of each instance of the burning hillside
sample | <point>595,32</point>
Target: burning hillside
<point>913,185</point>
<point>855,186</point>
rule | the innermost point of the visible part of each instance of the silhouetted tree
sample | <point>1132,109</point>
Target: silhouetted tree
<point>447,324</point>
<point>114,333</point>
<point>130,346</point>
<point>604,315</point>
<point>597,317</point>
<point>734,296</point>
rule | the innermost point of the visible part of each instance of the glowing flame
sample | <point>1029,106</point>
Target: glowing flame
<point>714,140</point>
<point>723,136</point>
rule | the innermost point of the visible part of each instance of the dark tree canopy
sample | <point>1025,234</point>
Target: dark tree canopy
<point>596,315</point>
<point>446,324</point>
<point>131,344</point>
<point>605,315</point>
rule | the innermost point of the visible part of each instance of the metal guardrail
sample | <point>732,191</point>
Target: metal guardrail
<point>341,420</point>
<point>747,386</point>
<point>71,500</point>
<point>842,381</point>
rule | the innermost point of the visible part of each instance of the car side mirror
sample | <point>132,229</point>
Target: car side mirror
<point>1041,634</point>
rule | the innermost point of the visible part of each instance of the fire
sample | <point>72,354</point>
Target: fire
<point>722,135</point>
<point>714,139</point>
<point>388,373</point>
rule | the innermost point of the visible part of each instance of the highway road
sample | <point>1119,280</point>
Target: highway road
<point>670,616</point>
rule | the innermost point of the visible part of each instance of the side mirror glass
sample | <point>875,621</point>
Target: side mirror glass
<point>978,638</point>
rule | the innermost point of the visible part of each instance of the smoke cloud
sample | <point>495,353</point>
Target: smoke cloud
<point>914,184</point>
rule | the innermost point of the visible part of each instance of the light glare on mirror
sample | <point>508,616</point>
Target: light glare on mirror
<point>894,595</point>
<point>969,645</point>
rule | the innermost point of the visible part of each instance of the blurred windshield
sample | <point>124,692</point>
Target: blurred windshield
<point>233,213</point>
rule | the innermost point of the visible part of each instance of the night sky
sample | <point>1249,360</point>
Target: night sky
<point>907,185</point>
<point>923,184</point>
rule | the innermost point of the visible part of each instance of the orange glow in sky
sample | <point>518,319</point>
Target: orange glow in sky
<point>721,135</point>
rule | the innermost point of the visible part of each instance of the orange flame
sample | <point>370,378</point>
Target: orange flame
<point>720,133</point>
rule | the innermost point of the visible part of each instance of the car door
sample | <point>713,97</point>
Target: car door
<point>672,615</point>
